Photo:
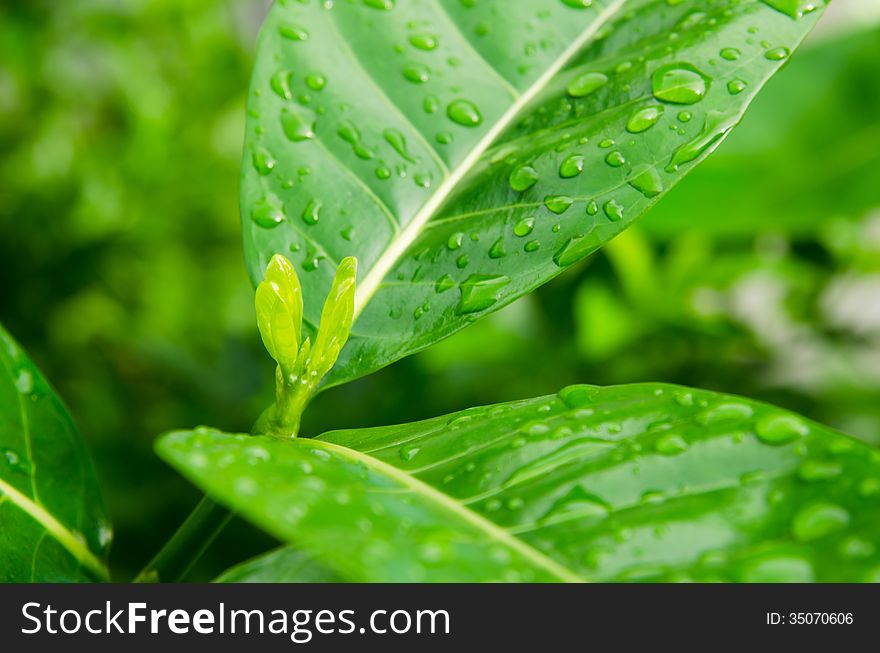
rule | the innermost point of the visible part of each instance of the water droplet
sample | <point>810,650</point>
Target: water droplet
<point>462,262</point>
<point>780,429</point>
<point>736,86</point>
<point>726,412</point>
<point>312,212</point>
<point>431,104</point>
<point>606,143</point>
<point>532,246</point>
<point>497,249</point>
<point>679,83</point>
<point>268,212</point>
<point>480,291</point>
<point>644,119</point>
<point>464,112</point>
<point>409,452</point>
<point>869,487</point>
<point>444,138</point>
<point>558,203</point>
<point>296,127</point>
<point>316,81</point>
<point>777,54</point>
<point>24,382</point>
<point>818,470</point>
<point>280,83</point>
<point>685,116</point>
<point>578,4</point>
<point>578,396</point>
<point>794,8</point>
<point>613,210</point>
<point>586,83</point>
<point>385,5</point>
<point>383,173</point>
<point>522,178</point>
<point>263,161</point>
<point>574,249</point>
<point>615,159</point>
<point>856,548</point>
<point>293,32</point>
<point>424,41</point>
<point>592,207</point>
<point>778,568</point>
<point>571,166</point>
<point>818,520</point>
<point>715,127</point>
<point>647,181</point>
<point>417,73</point>
<point>524,227</point>
<point>444,283</point>
<point>670,444</point>
<point>454,241</point>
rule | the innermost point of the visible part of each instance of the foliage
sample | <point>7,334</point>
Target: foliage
<point>756,275</point>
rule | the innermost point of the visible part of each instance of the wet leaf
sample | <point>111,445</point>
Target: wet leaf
<point>52,522</point>
<point>466,153</point>
<point>639,482</point>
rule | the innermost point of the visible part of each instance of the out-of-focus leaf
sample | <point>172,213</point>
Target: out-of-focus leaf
<point>466,153</point>
<point>52,522</point>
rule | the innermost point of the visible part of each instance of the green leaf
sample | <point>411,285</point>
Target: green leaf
<point>52,522</point>
<point>466,153</point>
<point>363,518</point>
<point>283,565</point>
<point>639,482</point>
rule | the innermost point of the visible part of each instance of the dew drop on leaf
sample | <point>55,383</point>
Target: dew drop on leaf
<point>522,178</point>
<point>572,166</point>
<point>480,291</point>
<point>263,161</point>
<point>424,41</point>
<point>679,83</point>
<point>613,210</point>
<point>416,73</point>
<point>524,227</point>
<point>454,241</point>
<point>312,213</point>
<point>444,283</point>
<point>643,119</point>
<point>647,181</point>
<point>615,159</point>
<point>818,520</point>
<point>586,83</point>
<point>777,54</point>
<point>780,429</point>
<point>316,81</point>
<point>464,112</point>
<point>497,250</point>
<point>558,204</point>
<point>736,86</point>
<point>296,127</point>
<point>268,212</point>
<point>729,54</point>
<point>293,32</point>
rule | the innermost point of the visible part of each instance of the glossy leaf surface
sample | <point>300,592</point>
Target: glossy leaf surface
<point>466,153</point>
<point>283,565</point>
<point>363,518</point>
<point>52,522</point>
<point>640,482</point>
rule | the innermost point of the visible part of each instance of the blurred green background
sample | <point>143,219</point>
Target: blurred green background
<point>121,266</point>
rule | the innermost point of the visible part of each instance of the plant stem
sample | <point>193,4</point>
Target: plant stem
<point>187,545</point>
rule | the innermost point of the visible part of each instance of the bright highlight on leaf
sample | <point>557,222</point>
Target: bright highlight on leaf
<point>279,308</point>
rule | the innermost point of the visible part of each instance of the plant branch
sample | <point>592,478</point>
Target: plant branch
<point>187,545</point>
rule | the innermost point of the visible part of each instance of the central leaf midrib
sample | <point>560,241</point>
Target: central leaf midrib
<point>372,281</point>
<point>80,552</point>
<point>494,531</point>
